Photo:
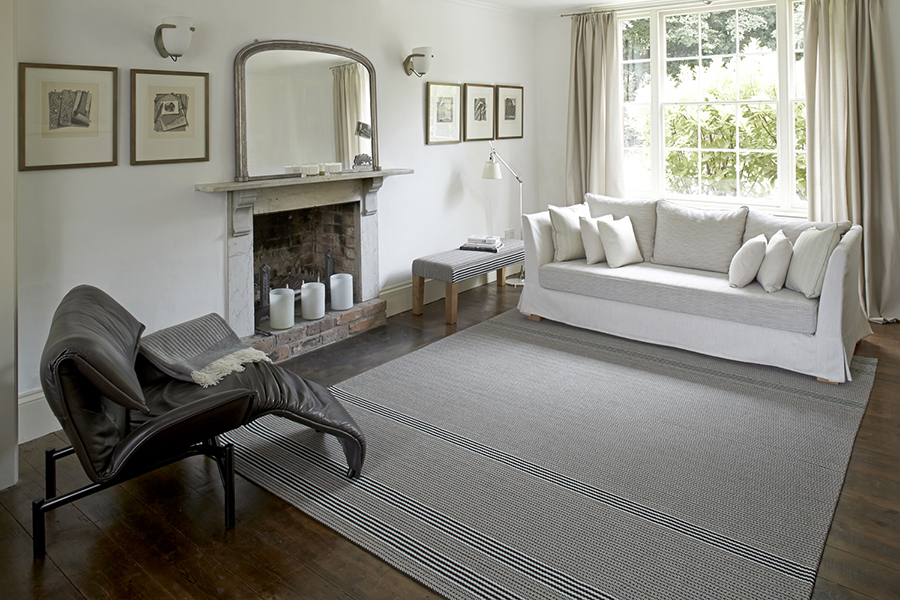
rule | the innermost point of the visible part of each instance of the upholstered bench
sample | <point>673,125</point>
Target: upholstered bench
<point>454,266</point>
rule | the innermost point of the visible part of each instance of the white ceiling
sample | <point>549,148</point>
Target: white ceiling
<point>540,6</point>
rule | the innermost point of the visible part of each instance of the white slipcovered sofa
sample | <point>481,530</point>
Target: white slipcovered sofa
<point>679,296</point>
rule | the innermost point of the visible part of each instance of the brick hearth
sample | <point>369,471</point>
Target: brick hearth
<point>281,344</point>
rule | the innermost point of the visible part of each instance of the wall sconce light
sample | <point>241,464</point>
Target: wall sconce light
<point>173,37</point>
<point>419,62</point>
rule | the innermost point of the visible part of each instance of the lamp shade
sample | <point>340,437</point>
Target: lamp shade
<point>422,64</point>
<point>177,39</point>
<point>491,171</point>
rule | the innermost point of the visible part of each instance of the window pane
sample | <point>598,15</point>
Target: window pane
<point>681,80</point>
<point>800,126</point>
<point>759,174</point>
<point>759,127</point>
<point>681,172</point>
<point>800,177</point>
<point>637,172</point>
<point>799,76</point>
<point>682,36</point>
<point>799,21</point>
<point>719,32</point>
<point>718,174</point>
<point>636,39</point>
<point>636,79</point>
<point>637,125</point>
<point>718,127</point>
<point>681,127</point>
<point>718,79</point>
<point>757,28</point>
<point>759,77</point>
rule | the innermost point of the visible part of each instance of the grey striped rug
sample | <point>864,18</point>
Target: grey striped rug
<point>535,460</point>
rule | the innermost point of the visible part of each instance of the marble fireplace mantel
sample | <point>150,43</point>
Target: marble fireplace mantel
<point>247,198</point>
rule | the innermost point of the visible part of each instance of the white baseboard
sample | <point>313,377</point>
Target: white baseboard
<point>399,297</point>
<point>35,417</point>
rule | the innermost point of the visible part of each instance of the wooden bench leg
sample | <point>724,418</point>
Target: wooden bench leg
<point>450,302</point>
<point>501,276</point>
<point>418,292</point>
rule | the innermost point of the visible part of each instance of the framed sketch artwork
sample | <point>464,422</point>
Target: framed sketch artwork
<point>67,116</point>
<point>509,111</point>
<point>444,113</point>
<point>169,117</point>
<point>478,121</point>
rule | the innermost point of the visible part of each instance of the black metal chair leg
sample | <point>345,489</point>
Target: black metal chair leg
<point>37,527</point>
<point>228,483</point>
<point>50,472</point>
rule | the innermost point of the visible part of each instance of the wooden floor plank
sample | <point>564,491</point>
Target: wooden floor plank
<point>860,575</point>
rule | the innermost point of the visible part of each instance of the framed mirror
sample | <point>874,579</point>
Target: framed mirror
<point>302,103</point>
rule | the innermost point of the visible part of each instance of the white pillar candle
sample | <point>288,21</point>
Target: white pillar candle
<point>312,300</point>
<point>341,291</point>
<point>281,308</point>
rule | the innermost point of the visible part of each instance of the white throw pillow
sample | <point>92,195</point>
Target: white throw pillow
<point>746,261</point>
<point>641,212</point>
<point>590,237</point>
<point>567,244</point>
<point>619,242</point>
<point>813,248</point>
<point>774,266</point>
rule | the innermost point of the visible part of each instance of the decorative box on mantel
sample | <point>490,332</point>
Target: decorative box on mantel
<point>261,196</point>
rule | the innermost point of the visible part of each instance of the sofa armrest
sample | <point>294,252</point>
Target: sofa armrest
<point>538,236</point>
<point>840,312</point>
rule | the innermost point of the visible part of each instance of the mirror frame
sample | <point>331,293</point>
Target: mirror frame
<point>240,98</point>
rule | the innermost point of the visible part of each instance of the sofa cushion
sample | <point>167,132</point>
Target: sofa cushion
<point>746,262</point>
<point>690,291</point>
<point>774,266</point>
<point>696,238</point>
<point>813,248</point>
<point>759,222</point>
<point>590,237</point>
<point>619,242</point>
<point>641,212</point>
<point>567,242</point>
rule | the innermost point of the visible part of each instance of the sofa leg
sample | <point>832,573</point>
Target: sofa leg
<point>823,380</point>
<point>534,318</point>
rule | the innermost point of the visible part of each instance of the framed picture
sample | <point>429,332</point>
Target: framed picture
<point>478,123</point>
<point>67,116</point>
<point>509,111</point>
<point>169,117</point>
<point>444,113</point>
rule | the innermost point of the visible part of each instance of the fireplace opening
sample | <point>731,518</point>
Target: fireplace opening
<point>307,244</point>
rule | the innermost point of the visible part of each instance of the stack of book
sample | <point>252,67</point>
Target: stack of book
<point>484,243</point>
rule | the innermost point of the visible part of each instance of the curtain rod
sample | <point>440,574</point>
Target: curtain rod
<point>634,7</point>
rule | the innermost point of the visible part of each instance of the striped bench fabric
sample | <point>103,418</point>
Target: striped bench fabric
<point>454,266</point>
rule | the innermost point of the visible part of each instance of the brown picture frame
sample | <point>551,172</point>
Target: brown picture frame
<point>68,116</point>
<point>169,117</point>
<point>509,112</point>
<point>480,112</point>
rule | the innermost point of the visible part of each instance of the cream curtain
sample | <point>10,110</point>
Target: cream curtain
<point>851,161</point>
<point>351,106</point>
<point>594,138</point>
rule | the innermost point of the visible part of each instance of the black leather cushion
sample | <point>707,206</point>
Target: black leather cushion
<point>101,338</point>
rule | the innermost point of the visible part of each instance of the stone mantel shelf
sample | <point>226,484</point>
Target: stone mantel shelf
<point>257,184</point>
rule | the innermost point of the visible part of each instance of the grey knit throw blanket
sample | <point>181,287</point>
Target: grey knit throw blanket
<point>202,350</point>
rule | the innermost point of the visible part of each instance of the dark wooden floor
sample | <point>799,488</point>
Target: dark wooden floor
<point>162,535</point>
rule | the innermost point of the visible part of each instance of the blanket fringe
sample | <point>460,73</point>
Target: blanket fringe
<point>214,372</point>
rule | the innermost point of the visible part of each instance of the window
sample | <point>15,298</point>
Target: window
<point>713,104</point>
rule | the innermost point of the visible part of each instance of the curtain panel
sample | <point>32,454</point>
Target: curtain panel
<point>851,156</point>
<point>594,136</point>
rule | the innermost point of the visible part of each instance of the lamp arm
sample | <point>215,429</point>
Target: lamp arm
<point>505,164</point>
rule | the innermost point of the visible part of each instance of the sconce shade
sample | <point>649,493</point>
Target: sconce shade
<point>491,170</point>
<point>419,62</point>
<point>173,37</point>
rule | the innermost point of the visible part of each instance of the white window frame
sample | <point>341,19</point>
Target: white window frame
<point>786,202</point>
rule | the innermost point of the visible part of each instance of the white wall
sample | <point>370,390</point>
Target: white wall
<point>9,459</point>
<point>142,234</point>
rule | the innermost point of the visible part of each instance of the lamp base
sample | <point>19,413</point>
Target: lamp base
<point>516,279</point>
